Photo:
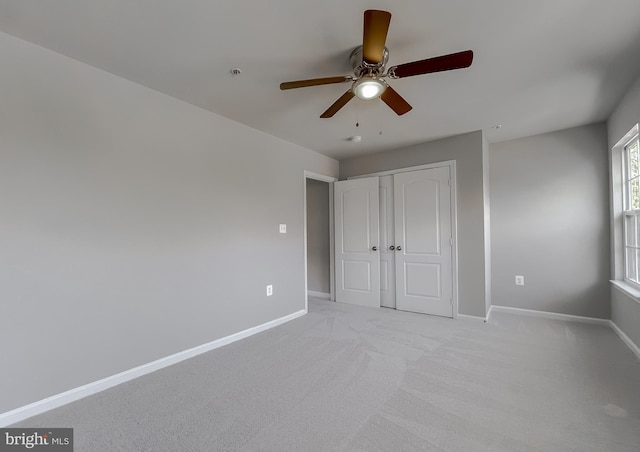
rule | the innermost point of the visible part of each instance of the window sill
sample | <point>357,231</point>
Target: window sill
<point>627,289</point>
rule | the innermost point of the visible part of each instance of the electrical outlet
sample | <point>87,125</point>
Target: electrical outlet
<point>269,290</point>
<point>519,280</point>
<point>283,229</point>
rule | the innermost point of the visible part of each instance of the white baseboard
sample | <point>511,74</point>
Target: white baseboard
<point>549,315</point>
<point>27,411</point>
<point>489,313</point>
<point>626,339</point>
<point>571,318</point>
<point>472,317</point>
<point>313,293</point>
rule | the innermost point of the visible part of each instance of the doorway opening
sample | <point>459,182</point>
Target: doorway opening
<point>318,236</point>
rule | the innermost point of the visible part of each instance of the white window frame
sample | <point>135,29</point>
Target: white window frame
<point>631,215</point>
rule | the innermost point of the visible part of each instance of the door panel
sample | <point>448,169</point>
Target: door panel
<point>387,239</point>
<point>422,226</point>
<point>357,220</point>
<point>423,230</point>
<point>357,275</point>
<point>355,212</point>
<point>422,280</point>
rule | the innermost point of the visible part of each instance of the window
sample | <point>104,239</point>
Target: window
<point>631,189</point>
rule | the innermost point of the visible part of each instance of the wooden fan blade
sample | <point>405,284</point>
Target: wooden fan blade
<point>337,105</point>
<point>376,25</point>
<point>442,63</point>
<point>395,101</point>
<point>315,82</point>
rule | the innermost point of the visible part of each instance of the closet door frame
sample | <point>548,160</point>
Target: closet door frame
<point>451,164</point>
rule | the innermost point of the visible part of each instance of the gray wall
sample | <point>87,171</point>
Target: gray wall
<point>318,245</point>
<point>467,151</point>
<point>550,222</point>
<point>133,225</point>
<point>625,311</point>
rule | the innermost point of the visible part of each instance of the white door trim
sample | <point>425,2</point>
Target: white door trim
<point>450,163</point>
<point>454,213</point>
<point>330,180</point>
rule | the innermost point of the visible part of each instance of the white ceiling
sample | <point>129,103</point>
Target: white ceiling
<point>539,65</point>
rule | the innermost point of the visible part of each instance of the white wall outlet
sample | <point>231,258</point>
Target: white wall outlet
<point>519,280</point>
<point>269,290</point>
<point>283,229</point>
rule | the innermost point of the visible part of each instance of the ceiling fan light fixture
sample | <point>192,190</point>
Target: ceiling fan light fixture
<point>367,88</point>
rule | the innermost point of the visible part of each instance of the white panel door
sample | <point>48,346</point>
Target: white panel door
<point>387,244</point>
<point>356,241</point>
<point>424,280</point>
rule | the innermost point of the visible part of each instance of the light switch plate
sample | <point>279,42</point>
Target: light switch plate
<point>519,280</point>
<point>283,229</point>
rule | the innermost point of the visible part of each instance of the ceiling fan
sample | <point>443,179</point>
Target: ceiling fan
<point>368,62</point>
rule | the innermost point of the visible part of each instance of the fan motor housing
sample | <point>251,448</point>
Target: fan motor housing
<point>361,67</point>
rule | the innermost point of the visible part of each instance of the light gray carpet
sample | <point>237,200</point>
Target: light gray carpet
<point>346,378</point>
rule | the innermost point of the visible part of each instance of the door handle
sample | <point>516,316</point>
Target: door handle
<point>374,248</point>
<point>392,247</point>
<point>398,248</point>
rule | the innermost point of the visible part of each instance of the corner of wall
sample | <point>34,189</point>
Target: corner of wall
<point>486,194</point>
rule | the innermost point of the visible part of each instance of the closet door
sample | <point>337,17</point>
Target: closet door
<point>387,244</point>
<point>423,248</point>
<point>356,241</point>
